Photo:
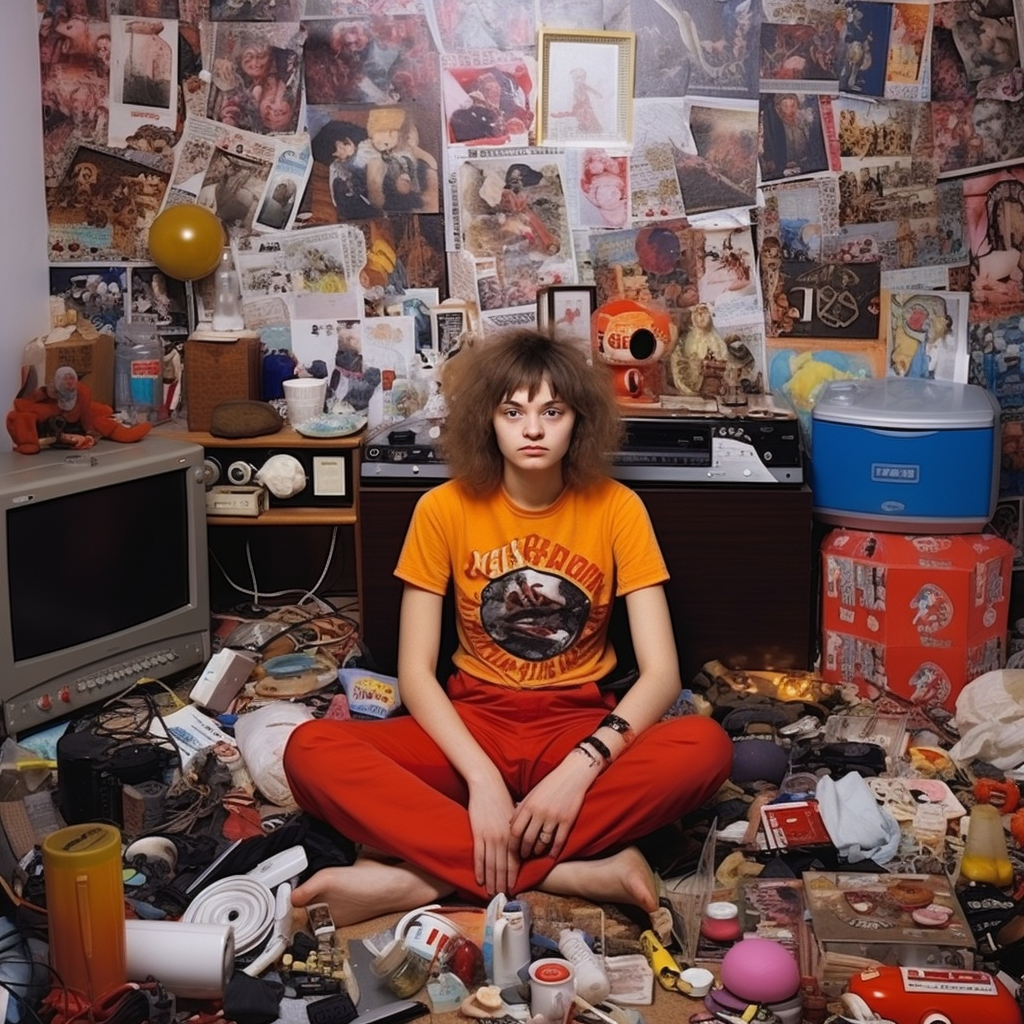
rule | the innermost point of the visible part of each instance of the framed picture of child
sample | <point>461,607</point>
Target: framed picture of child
<point>586,88</point>
<point>566,310</point>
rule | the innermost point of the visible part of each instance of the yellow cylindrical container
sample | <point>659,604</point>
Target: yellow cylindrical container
<point>85,907</point>
<point>985,857</point>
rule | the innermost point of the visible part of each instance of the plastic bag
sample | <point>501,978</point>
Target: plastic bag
<point>261,736</point>
<point>990,720</point>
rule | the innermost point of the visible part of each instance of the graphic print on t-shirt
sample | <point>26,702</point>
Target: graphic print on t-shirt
<point>533,615</point>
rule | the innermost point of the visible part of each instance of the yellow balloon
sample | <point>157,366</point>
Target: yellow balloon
<point>185,242</point>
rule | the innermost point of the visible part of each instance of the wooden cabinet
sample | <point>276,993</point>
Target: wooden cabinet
<point>254,553</point>
<point>741,561</point>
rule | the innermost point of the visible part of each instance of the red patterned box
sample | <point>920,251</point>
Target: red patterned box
<point>917,616</point>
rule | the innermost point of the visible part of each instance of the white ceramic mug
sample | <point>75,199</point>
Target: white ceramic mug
<point>552,989</point>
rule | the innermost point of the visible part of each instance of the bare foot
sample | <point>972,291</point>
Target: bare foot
<point>369,888</point>
<point>624,877</point>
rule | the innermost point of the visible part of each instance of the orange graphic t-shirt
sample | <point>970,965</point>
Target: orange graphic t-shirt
<point>533,590</point>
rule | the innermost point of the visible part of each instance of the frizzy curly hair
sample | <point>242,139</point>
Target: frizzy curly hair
<point>486,372</point>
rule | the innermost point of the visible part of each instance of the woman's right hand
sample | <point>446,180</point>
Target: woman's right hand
<point>495,860</point>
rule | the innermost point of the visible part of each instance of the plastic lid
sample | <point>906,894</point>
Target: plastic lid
<point>721,911</point>
<point>82,846</point>
<point>908,403</point>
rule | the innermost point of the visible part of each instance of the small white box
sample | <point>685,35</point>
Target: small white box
<point>225,674</point>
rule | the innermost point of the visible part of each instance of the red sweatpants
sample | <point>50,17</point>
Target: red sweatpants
<point>388,785</point>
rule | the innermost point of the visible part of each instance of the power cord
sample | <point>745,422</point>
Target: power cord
<point>255,594</point>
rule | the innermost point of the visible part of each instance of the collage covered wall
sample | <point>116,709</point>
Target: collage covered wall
<point>806,190</point>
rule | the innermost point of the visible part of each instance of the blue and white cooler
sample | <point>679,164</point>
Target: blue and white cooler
<point>905,455</point>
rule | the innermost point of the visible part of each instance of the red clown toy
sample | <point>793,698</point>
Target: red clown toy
<point>63,414</point>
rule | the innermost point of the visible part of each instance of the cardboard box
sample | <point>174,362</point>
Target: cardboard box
<point>88,351</point>
<point>219,367</point>
<point>916,616</point>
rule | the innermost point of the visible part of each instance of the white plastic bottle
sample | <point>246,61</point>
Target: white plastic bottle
<point>591,980</point>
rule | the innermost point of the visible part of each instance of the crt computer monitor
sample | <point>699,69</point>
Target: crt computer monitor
<point>105,564</point>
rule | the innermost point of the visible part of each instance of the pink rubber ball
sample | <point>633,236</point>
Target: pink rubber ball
<point>760,971</point>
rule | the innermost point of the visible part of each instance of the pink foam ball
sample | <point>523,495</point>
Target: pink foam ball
<point>760,971</point>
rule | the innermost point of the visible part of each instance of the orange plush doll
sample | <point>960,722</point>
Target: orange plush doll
<point>66,416</point>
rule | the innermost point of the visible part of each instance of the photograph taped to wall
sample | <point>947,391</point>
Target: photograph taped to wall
<point>719,172</point>
<point>794,143</point>
<point>994,214</point>
<point>828,298</point>
<point>992,135</point>
<point>74,63</point>
<point>597,188</point>
<point>975,51</point>
<point>448,325</point>
<point>927,334</point>
<point>489,97</point>
<point>154,294</point>
<point>801,57</point>
<point>96,295</point>
<point>417,303</point>
<point>656,263</point>
<point>256,77</point>
<point>908,43</point>
<point>483,24</point>
<point>315,272</point>
<point>377,60</point>
<point>654,184</point>
<point>727,281</point>
<point>865,44</point>
<point>699,48</point>
<point>234,172</point>
<point>514,210</point>
<point>102,208</point>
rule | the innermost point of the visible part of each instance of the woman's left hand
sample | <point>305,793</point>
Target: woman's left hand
<point>543,819</point>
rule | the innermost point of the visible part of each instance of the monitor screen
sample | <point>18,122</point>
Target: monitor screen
<point>95,562</point>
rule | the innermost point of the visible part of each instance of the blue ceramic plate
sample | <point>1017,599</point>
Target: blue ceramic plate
<point>333,425</point>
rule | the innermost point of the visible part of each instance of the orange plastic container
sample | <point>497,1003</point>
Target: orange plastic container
<point>85,907</point>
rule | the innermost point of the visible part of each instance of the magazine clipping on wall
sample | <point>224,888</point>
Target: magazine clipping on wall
<point>250,181</point>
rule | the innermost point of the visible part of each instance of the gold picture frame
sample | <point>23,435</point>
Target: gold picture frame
<point>585,94</point>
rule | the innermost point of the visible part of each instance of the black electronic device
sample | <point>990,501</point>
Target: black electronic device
<point>708,441</point>
<point>405,450</point>
<point>691,441</point>
<point>93,769</point>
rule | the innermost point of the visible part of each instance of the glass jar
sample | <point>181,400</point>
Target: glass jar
<point>721,922</point>
<point>403,970</point>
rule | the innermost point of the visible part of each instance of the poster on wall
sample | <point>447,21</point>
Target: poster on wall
<point>143,76</point>
<point>102,208</point>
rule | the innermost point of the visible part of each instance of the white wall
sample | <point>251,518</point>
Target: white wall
<point>24,274</point>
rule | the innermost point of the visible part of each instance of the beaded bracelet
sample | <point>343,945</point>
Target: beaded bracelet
<point>619,725</point>
<point>599,747</point>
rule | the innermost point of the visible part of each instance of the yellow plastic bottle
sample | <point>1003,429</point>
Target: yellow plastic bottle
<point>986,858</point>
